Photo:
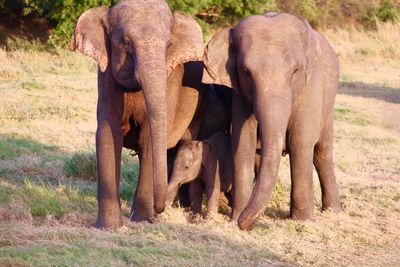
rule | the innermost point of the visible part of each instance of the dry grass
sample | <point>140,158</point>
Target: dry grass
<point>47,120</point>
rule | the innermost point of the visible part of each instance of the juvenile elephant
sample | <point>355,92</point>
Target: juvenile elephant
<point>285,76</point>
<point>207,165</point>
<point>150,91</point>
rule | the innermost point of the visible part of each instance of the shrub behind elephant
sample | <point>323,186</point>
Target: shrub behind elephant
<point>285,77</point>
<point>150,95</point>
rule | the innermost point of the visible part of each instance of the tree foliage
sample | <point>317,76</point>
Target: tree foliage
<point>62,14</point>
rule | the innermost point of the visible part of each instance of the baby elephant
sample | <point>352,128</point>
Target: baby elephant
<point>208,165</point>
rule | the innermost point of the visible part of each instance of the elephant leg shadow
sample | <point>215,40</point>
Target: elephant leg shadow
<point>277,213</point>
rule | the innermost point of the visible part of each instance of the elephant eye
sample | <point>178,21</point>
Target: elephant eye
<point>295,71</point>
<point>186,167</point>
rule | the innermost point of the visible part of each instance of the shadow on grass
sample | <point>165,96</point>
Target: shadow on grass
<point>165,244</point>
<point>40,197</point>
<point>43,175</point>
<point>388,94</point>
<point>277,213</point>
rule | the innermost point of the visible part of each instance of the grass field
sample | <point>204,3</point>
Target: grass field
<point>48,192</point>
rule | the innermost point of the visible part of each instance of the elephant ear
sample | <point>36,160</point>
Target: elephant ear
<point>220,60</point>
<point>91,35</point>
<point>186,42</point>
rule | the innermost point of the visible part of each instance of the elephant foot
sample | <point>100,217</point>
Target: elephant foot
<point>108,222</point>
<point>195,218</point>
<point>235,216</point>
<point>301,214</point>
<point>233,223</point>
<point>142,216</point>
<point>334,208</point>
<point>210,215</point>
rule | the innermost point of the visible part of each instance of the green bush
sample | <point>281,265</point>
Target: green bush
<point>309,10</point>
<point>81,165</point>
<point>217,13</point>
<point>62,14</point>
<point>386,11</point>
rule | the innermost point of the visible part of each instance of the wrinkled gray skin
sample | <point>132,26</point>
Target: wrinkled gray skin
<point>285,77</point>
<point>141,48</point>
<point>208,166</point>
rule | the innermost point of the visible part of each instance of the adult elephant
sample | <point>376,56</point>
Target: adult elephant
<point>285,77</point>
<point>149,85</point>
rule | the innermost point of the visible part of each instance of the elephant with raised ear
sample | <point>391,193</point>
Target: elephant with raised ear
<point>285,76</point>
<point>149,84</point>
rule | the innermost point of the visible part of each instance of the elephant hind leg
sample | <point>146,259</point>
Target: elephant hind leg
<point>196,191</point>
<point>323,162</point>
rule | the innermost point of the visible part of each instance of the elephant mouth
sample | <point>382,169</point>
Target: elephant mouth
<point>125,74</point>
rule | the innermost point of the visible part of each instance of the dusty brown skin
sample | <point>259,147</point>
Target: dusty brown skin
<point>141,48</point>
<point>285,77</point>
<point>208,166</point>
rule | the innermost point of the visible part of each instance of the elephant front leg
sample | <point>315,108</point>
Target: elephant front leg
<point>301,168</point>
<point>143,204</point>
<point>108,151</point>
<point>244,140</point>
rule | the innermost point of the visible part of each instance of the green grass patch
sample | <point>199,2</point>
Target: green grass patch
<point>5,194</point>
<point>376,141</point>
<point>280,196</point>
<point>81,165</point>
<point>33,85</point>
<point>43,200</point>
<point>351,116</point>
<point>129,178</point>
<point>39,255</point>
<point>46,198</point>
<point>13,147</point>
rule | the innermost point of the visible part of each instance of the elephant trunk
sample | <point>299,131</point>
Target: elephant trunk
<point>152,76</point>
<point>173,187</point>
<point>272,109</point>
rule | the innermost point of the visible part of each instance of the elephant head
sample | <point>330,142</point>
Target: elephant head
<point>187,166</point>
<point>140,42</point>
<point>268,60</point>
